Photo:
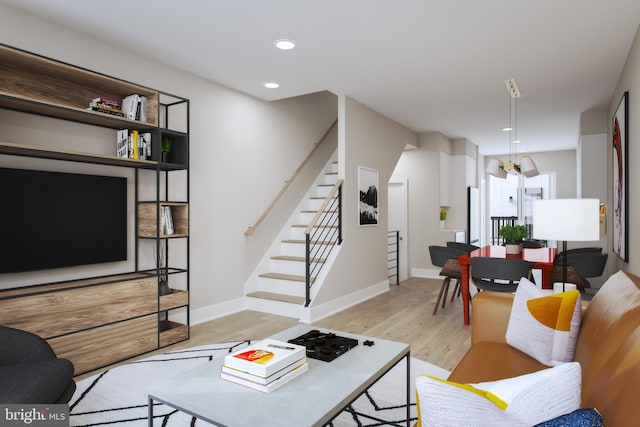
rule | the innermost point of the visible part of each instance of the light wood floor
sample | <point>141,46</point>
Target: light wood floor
<point>402,314</point>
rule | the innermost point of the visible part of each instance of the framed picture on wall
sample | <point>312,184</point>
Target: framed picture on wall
<point>620,127</point>
<point>368,194</point>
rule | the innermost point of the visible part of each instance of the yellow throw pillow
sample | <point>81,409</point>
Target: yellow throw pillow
<point>544,326</point>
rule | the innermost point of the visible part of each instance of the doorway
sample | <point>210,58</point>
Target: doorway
<point>513,197</point>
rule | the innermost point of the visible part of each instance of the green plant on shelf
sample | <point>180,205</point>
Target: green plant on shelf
<point>165,148</point>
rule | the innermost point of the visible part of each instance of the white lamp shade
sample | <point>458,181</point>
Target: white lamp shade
<point>527,167</point>
<point>494,167</point>
<point>566,219</point>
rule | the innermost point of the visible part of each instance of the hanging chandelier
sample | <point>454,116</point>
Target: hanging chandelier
<point>527,167</point>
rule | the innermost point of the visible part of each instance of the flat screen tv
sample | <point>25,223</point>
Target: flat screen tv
<point>54,220</point>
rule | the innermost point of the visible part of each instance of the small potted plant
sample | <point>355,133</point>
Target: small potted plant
<point>443,217</point>
<point>513,236</point>
<point>165,148</point>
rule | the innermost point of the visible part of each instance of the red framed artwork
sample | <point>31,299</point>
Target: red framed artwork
<point>620,167</point>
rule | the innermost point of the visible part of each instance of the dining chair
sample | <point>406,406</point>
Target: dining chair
<point>498,274</point>
<point>585,264</point>
<point>558,259</point>
<point>462,247</point>
<point>536,244</point>
<point>447,258</point>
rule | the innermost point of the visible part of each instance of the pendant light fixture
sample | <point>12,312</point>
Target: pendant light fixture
<point>527,167</point>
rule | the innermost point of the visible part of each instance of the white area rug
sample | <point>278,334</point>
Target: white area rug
<point>119,396</point>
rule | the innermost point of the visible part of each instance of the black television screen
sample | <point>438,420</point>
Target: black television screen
<point>53,220</point>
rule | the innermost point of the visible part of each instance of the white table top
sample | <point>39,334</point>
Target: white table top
<point>311,399</point>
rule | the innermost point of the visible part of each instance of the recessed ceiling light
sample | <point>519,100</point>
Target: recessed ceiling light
<point>285,44</point>
<point>271,85</point>
<point>516,141</point>
<point>507,129</point>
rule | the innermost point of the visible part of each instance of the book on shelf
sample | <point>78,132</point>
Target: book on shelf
<point>265,358</point>
<point>143,109</point>
<point>106,111</point>
<point>105,105</point>
<point>133,144</point>
<point>122,143</point>
<point>134,107</point>
<point>166,220</point>
<point>273,385</point>
<point>107,101</point>
<point>129,106</point>
<point>144,147</point>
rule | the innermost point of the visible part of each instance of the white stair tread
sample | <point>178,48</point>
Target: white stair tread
<point>296,258</point>
<point>317,226</point>
<point>282,276</point>
<point>313,242</point>
<point>277,297</point>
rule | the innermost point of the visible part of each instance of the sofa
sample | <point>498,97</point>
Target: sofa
<point>30,372</point>
<point>607,348</point>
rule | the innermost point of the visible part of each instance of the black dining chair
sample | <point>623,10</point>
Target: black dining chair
<point>535,244</point>
<point>462,247</point>
<point>558,259</point>
<point>446,258</point>
<point>585,265</point>
<point>498,274</point>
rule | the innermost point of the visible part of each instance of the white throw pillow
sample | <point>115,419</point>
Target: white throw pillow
<point>544,326</point>
<point>520,401</point>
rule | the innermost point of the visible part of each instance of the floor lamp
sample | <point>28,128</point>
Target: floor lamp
<point>566,219</point>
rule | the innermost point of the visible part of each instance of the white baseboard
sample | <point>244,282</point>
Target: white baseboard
<point>321,311</point>
<point>215,311</point>
<point>426,273</point>
<point>306,315</point>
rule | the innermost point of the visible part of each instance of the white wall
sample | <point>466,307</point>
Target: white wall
<point>242,149</point>
<point>369,139</point>
<point>421,167</point>
<point>592,173</point>
<point>629,81</point>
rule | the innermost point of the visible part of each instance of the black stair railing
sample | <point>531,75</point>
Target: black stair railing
<point>322,235</point>
<point>393,255</point>
<point>496,223</point>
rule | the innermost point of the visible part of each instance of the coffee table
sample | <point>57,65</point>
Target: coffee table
<point>312,399</point>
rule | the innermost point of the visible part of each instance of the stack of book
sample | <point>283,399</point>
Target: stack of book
<point>265,366</point>
<point>133,144</point>
<point>106,105</point>
<point>134,107</point>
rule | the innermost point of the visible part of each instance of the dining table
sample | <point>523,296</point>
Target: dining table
<point>540,258</point>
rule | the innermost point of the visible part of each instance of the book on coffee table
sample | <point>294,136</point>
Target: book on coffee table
<point>265,358</point>
<point>270,386</point>
<point>263,380</point>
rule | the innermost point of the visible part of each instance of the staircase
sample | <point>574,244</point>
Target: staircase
<point>279,283</point>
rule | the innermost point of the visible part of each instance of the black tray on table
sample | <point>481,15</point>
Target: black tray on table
<point>324,346</point>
